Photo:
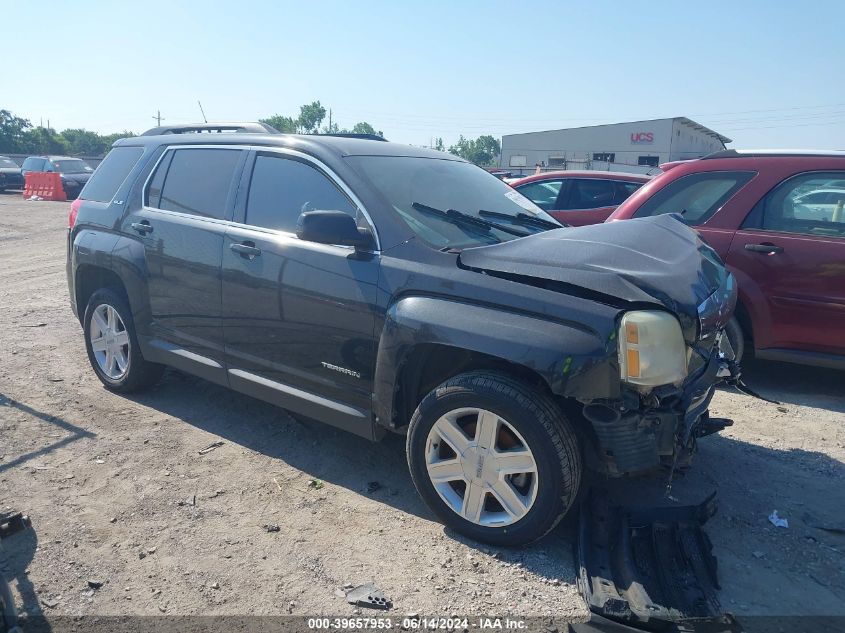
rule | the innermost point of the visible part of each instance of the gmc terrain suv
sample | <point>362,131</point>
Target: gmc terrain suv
<point>381,287</point>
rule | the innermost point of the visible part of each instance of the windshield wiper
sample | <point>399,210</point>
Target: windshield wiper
<point>467,219</point>
<point>523,218</point>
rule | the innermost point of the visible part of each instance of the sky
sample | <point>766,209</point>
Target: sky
<point>766,74</point>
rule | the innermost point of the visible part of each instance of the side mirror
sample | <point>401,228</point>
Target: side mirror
<point>333,227</point>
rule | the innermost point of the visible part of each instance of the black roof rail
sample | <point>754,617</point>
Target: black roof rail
<point>211,128</point>
<point>367,137</point>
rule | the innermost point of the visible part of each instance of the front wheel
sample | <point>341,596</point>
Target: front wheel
<point>494,458</point>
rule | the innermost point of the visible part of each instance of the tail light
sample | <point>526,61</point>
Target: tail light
<point>74,210</point>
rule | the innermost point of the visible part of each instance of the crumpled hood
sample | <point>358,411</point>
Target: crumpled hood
<point>645,260</point>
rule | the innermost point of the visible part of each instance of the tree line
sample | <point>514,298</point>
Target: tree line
<point>20,136</point>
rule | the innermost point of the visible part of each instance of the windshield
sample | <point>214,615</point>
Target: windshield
<point>71,166</point>
<point>434,197</point>
<point>6,163</point>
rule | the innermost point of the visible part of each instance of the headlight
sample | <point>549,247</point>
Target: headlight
<point>652,350</point>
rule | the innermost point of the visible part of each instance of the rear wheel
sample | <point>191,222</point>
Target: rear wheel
<point>113,346</point>
<point>494,458</point>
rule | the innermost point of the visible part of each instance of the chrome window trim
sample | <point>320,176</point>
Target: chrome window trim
<point>285,151</point>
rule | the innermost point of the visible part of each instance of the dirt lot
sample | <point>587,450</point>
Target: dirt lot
<point>109,482</point>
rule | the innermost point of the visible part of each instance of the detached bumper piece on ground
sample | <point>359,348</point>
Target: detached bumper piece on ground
<point>649,569</point>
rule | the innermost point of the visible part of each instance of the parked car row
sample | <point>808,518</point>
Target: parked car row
<point>74,172</point>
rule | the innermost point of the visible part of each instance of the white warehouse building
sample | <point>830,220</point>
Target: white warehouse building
<point>638,146</point>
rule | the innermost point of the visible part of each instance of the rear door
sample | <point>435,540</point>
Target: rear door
<point>794,251</point>
<point>298,316</point>
<point>187,202</point>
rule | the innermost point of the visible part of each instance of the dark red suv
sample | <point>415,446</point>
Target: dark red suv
<point>777,219</point>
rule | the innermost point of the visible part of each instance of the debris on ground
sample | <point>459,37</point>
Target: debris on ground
<point>368,595</point>
<point>215,585</point>
<point>316,484</point>
<point>51,603</point>
<point>95,583</point>
<point>271,527</point>
<point>211,447</point>
<point>777,521</point>
<point>190,501</point>
<point>649,567</point>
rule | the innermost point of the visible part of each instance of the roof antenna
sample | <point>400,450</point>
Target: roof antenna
<point>203,112</point>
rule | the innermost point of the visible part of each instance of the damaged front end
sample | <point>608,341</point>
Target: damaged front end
<point>652,424</point>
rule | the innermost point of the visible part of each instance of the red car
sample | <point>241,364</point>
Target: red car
<point>776,218</point>
<point>579,197</point>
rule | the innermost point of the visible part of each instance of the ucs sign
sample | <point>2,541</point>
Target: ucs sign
<point>642,138</point>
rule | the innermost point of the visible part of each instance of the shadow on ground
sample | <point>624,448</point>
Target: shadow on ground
<point>74,432</point>
<point>796,384</point>
<point>751,480</point>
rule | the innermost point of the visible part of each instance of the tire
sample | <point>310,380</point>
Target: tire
<point>136,373</point>
<point>736,337</point>
<point>521,417</point>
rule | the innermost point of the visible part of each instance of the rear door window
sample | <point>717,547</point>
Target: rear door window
<point>624,190</point>
<point>591,193</point>
<point>543,193</point>
<point>806,204</point>
<point>198,181</point>
<point>282,188</point>
<point>695,196</point>
<point>111,173</point>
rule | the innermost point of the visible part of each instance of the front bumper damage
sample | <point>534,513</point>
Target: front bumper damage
<point>641,432</point>
<point>649,569</point>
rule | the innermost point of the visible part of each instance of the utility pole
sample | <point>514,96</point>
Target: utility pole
<point>159,118</point>
<point>330,121</point>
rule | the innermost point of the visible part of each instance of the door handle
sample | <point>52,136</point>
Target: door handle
<point>143,227</point>
<point>768,249</point>
<point>246,249</point>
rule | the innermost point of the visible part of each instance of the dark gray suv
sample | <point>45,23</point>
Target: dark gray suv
<point>383,288</point>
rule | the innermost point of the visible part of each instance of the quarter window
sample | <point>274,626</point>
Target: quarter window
<point>809,204</point>
<point>111,173</point>
<point>281,189</point>
<point>195,181</point>
<point>696,196</point>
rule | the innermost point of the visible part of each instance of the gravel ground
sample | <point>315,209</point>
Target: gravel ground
<point>119,494</point>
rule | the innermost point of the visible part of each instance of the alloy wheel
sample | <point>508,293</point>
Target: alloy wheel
<point>109,341</point>
<point>481,467</point>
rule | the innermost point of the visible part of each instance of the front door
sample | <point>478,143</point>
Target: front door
<point>298,316</point>
<point>793,249</point>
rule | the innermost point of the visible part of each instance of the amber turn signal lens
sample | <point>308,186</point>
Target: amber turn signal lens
<point>632,333</point>
<point>633,363</point>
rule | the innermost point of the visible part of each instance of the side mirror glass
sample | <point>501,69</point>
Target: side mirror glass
<point>333,227</point>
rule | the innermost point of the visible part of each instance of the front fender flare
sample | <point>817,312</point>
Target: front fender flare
<point>572,359</point>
